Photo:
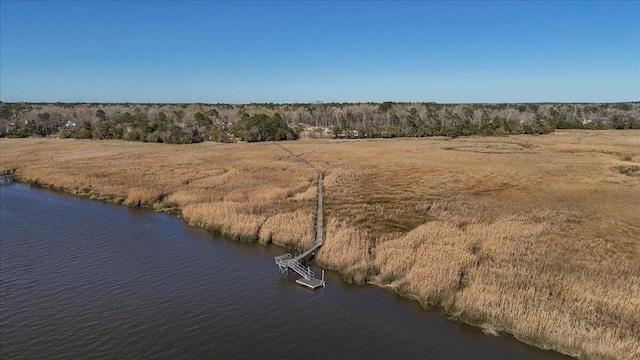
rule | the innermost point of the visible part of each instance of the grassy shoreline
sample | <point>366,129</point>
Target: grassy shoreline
<point>535,236</point>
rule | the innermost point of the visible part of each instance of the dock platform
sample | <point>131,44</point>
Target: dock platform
<point>312,283</point>
<point>308,278</point>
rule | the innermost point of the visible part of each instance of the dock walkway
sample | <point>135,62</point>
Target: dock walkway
<point>288,262</point>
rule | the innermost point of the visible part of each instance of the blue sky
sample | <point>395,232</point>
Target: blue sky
<point>281,52</point>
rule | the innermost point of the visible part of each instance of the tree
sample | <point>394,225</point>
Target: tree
<point>44,116</point>
<point>385,107</point>
<point>621,122</point>
<point>218,134</point>
<point>202,120</point>
<point>5,111</point>
<point>20,108</point>
<point>126,118</point>
<point>262,127</point>
<point>141,121</point>
<point>116,131</point>
<point>213,113</point>
<point>161,122</point>
<point>100,114</point>
<point>84,131</point>
<point>102,130</point>
<point>336,130</point>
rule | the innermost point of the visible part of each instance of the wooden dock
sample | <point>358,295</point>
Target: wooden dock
<point>311,283</point>
<point>308,278</point>
<point>288,262</point>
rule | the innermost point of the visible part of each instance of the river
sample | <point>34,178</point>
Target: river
<point>84,279</point>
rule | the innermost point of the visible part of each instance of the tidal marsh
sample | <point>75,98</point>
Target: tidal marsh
<point>537,236</point>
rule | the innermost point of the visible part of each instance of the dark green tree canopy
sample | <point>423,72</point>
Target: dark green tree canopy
<point>262,127</point>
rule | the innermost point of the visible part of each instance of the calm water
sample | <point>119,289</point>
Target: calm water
<point>82,279</point>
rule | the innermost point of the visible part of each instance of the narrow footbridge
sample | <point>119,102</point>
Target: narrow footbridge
<point>288,262</point>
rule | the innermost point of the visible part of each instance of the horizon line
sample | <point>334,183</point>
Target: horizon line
<point>318,102</point>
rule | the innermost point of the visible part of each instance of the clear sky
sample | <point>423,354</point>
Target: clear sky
<point>281,52</point>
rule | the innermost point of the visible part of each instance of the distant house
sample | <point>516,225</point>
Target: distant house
<point>315,132</point>
<point>348,134</point>
<point>596,120</point>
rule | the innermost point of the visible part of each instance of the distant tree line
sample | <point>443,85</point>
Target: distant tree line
<point>192,123</point>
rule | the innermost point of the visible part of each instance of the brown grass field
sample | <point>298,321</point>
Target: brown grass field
<point>537,236</point>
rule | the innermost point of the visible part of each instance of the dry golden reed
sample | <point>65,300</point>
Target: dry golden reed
<point>537,236</point>
<point>228,218</point>
<point>346,249</point>
<point>291,229</point>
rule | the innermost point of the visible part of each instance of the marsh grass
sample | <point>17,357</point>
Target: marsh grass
<point>629,170</point>
<point>537,236</point>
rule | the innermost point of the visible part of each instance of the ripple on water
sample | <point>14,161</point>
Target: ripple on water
<point>83,279</point>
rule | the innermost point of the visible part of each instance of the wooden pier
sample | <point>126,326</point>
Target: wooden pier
<point>288,262</point>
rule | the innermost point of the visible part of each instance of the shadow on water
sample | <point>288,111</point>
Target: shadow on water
<point>83,279</point>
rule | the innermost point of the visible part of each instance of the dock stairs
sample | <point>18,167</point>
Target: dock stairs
<point>286,262</point>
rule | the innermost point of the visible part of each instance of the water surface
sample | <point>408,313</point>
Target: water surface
<point>83,279</point>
